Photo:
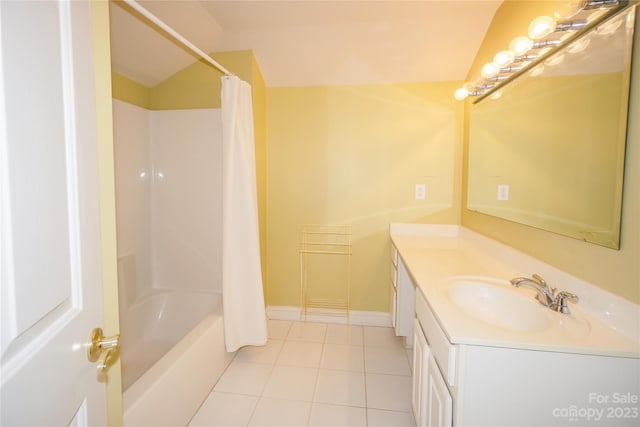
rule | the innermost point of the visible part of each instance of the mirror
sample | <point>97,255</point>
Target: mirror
<point>547,150</point>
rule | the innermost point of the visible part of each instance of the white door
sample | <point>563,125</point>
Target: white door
<point>50,254</point>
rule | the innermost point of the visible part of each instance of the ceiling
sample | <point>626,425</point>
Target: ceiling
<point>308,42</point>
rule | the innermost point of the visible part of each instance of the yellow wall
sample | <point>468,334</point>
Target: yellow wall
<point>130,91</point>
<point>198,85</point>
<point>104,125</point>
<point>259,94</point>
<point>351,155</point>
<point>615,271</point>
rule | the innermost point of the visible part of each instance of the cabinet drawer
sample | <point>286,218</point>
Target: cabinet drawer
<point>394,276</point>
<point>443,351</point>
<point>394,255</point>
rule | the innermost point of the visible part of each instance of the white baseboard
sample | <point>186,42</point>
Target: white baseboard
<point>363,318</point>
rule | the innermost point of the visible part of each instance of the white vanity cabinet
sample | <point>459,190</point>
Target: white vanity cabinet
<point>582,369</point>
<point>431,401</point>
<point>402,298</point>
<point>469,385</point>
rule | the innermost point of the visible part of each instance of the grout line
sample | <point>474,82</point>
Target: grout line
<point>324,343</point>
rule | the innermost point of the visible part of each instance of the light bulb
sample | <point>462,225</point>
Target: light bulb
<point>496,95</point>
<point>503,58</point>
<point>578,46</point>
<point>461,93</point>
<point>554,60</point>
<point>537,71</point>
<point>566,9</point>
<point>541,27</point>
<point>608,28</point>
<point>489,70</point>
<point>520,45</point>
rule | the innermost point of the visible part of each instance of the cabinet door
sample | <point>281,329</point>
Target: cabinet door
<point>394,301</point>
<point>439,410</point>
<point>405,306</point>
<point>393,285</point>
<point>419,379</point>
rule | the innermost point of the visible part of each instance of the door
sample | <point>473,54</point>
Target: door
<point>51,291</point>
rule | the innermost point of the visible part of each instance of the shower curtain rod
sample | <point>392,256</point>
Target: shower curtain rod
<point>176,35</point>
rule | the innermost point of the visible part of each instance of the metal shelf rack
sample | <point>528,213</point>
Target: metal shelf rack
<point>325,270</point>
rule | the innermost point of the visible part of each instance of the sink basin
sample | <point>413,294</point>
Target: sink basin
<point>493,301</point>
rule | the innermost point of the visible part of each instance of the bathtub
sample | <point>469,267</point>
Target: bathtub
<point>185,331</point>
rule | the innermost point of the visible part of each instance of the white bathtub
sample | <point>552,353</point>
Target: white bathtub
<point>169,392</point>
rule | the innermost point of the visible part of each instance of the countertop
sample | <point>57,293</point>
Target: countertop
<point>600,324</point>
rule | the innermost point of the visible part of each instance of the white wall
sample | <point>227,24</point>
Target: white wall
<point>132,146</point>
<point>186,202</point>
<point>168,199</point>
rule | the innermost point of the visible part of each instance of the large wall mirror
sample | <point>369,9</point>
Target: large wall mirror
<point>548,149</point>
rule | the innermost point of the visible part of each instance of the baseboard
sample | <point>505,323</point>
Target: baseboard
<point>356,317</point>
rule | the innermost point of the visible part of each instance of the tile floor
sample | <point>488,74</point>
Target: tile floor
<point>314,374</point>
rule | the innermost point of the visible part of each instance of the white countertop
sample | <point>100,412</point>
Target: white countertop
<point>600,323</point>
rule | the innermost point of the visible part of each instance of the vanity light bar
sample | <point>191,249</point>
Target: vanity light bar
<point>499,72</point>
<point>599,4</point>
<point>571,25</point>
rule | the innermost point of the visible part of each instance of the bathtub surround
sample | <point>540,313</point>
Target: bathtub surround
<point>198,87</point>
<point>169,230</point>
<point>242,293</point>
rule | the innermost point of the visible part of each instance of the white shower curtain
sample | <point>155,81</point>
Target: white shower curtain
<point>243,300</point>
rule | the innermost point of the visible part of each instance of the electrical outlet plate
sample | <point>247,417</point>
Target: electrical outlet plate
<point>420,191</point>
<point>503,192</point>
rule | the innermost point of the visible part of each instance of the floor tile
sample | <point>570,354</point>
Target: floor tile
<point>279,413</point>
<point>307,331</point>
<point>390,392</point>
<point>386,360</point>
<point>314,374</point>
<point>289,382</point>
<point>380,418</point>
<point>381,337</point>
<point>337,415</point>
<point>244,378</point>
<point>300,353</point>
<point>260,354</point>
<point>278,329</point>
<point>344,334</point>
<point>225,409</point>
<point>342,357</point>
<point>340,388</point>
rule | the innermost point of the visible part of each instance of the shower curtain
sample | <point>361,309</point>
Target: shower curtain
<point>243,300</point>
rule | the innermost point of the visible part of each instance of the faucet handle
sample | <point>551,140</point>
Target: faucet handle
<point>560,301</point>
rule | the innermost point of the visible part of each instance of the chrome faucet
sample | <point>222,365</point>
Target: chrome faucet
<point>547,295</point>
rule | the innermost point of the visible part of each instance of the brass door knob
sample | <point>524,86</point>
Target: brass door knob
<point>107,347</point>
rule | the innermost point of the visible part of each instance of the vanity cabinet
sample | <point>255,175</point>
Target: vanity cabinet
<point>402,296</point>
<point>393,288</point>
<point>582,369</point>
<point>467,385</point>
<point>431,401</point>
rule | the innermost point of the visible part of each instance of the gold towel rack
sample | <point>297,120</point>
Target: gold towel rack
<point>325,270</point>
